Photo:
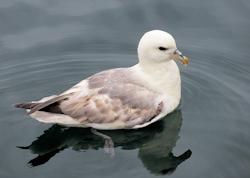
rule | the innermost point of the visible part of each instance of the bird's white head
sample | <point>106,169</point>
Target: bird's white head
<point>157,47</point>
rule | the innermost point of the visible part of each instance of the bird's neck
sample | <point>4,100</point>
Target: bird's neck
<point>164,77</point>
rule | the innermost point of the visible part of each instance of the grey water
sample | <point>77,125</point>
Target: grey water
<point>46,46</point>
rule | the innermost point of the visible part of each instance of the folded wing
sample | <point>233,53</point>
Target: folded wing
<point>110,97</point>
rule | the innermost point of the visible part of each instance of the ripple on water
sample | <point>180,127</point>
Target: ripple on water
<point>215,105</point>
<point>215,100</point>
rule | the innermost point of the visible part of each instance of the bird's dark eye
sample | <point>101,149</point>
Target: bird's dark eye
<point>163,48</point>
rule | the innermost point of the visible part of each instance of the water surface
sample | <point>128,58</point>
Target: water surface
<point>47,46</point>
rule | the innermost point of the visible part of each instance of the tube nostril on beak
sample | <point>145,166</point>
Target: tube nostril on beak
<point>180,57</point>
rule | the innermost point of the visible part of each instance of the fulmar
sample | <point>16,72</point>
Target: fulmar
<point>121,98</point>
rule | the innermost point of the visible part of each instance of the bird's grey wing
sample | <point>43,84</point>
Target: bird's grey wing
<point>113,96</point>
<point>107,97</point>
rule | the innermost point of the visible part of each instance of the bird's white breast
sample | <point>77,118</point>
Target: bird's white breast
<point>164,79</point>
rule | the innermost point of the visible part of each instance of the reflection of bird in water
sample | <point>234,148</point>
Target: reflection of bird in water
<point>155,143</point>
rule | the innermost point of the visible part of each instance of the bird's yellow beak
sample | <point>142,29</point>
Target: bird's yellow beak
<point>178,56</point>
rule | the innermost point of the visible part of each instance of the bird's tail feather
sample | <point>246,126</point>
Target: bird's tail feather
<point>26,105</point>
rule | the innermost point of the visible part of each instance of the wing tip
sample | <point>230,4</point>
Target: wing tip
<point>24,105</point>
